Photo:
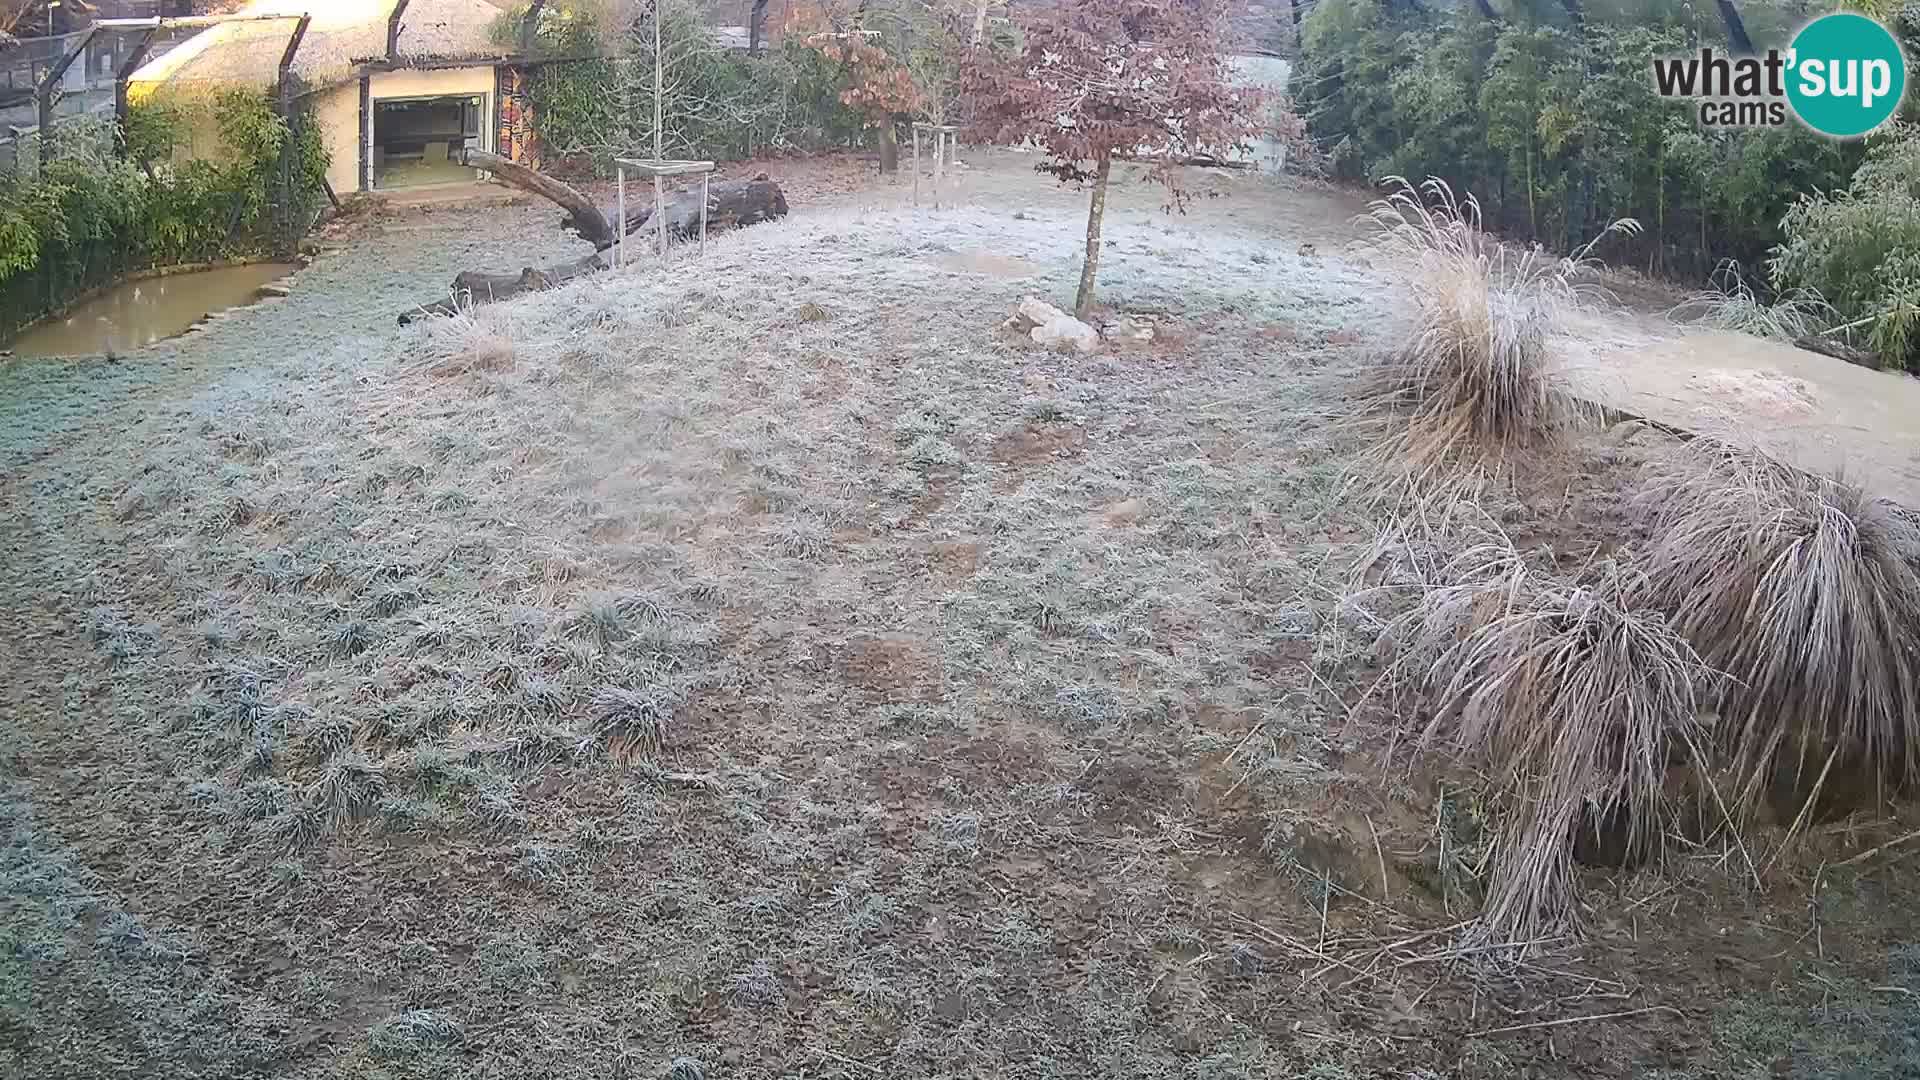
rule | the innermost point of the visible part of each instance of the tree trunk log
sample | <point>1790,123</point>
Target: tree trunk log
<point>480,287</point>
<point>584,217</point>
<point>731,205</point>
<point>1840,350</point>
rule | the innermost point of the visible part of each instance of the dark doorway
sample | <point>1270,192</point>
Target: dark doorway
<point>416,141</point>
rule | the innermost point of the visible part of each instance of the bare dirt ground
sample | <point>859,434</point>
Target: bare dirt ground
<point>774,663</point>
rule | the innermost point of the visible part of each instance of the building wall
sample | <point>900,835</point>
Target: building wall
<point>337,111</point>
<point>448,81</point>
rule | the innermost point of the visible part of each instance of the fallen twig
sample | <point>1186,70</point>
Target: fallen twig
<point>1872,851</point>
<point>1565,1020</point>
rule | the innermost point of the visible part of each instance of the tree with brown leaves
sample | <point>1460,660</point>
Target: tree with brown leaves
<point>1092,80</point>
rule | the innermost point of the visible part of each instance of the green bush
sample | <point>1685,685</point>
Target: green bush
<point>1556,127</point>
<point>92,211</point>
<point>1859,248</point>
<point>718,103</point>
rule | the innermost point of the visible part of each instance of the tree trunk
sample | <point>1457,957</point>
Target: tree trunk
<point>980,21</point>
<point>1736,28</point>
<point>584,217</point>
<point>889,148</point>
<point>480,287</point>
<point>730,205</point>
<point>756,25</point>
<point>1083,303</point>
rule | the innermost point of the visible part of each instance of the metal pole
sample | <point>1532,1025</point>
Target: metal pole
<point>916,164</point>
<point>704,186</point>
<point>620,227</point>
<point>660,213</point>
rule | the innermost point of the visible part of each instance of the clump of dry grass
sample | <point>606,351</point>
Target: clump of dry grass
<point>1729,303</point>
<point>1474,379</point>
<point>471,339</point>
<point>1806,590</point>
<point>1575,697</point>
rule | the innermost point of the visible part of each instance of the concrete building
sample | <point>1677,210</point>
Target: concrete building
<point>395,88</point>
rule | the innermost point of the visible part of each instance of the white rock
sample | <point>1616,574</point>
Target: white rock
<point>1034,312</point>
<point>1068,331</point>
<point>1128,328</point>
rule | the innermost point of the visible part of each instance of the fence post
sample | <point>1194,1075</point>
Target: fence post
<point>49,92</point>
<point>283,91</point>
<point>121,107</point>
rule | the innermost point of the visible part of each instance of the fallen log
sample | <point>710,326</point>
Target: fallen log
<point>1840,350</point>
<point>582,216</point>
<point>472,287</point>
<point>730,205</point>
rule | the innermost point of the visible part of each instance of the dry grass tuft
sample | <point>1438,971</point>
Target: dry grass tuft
<point>1729,303</point>
<point>1575,696</point>
<point>633,722</point>
<point>1474,379</point>
<point>1804,589</point>
<point>472,339</point>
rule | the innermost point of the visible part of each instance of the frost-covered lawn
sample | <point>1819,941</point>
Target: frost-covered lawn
<point>773,662</point>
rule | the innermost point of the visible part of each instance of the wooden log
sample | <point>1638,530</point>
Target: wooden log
<point>480,287</point>
<point>731,204</point>
<point>1840,350</point>
<point>582,216</point>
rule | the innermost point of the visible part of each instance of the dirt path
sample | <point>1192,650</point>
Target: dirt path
<point>1809,409</point>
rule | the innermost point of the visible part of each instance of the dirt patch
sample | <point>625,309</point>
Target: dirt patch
<point>973,261</point>
<point>895,668</point>
<point>1755,393</point>
<point>1038,443</point>
<point>954,559</point>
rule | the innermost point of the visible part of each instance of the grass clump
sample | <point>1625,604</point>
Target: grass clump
<point>412,1034</point>
<point>1474,378</point>
<point>633,721</point>
<point>1729,303</point>
<point>1574,696</point>
<point>1806,590</point>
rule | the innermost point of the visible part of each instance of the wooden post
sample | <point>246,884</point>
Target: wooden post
<point>393,29</point>
<point>283,91</point>
<point>659,153</point>
<point>705,196</point>
<point>916,164</point>
<point>620,209</point>
<point>49,92</point>
<point>939,164</point>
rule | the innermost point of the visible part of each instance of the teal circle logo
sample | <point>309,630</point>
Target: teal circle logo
<point>1845,75</point>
